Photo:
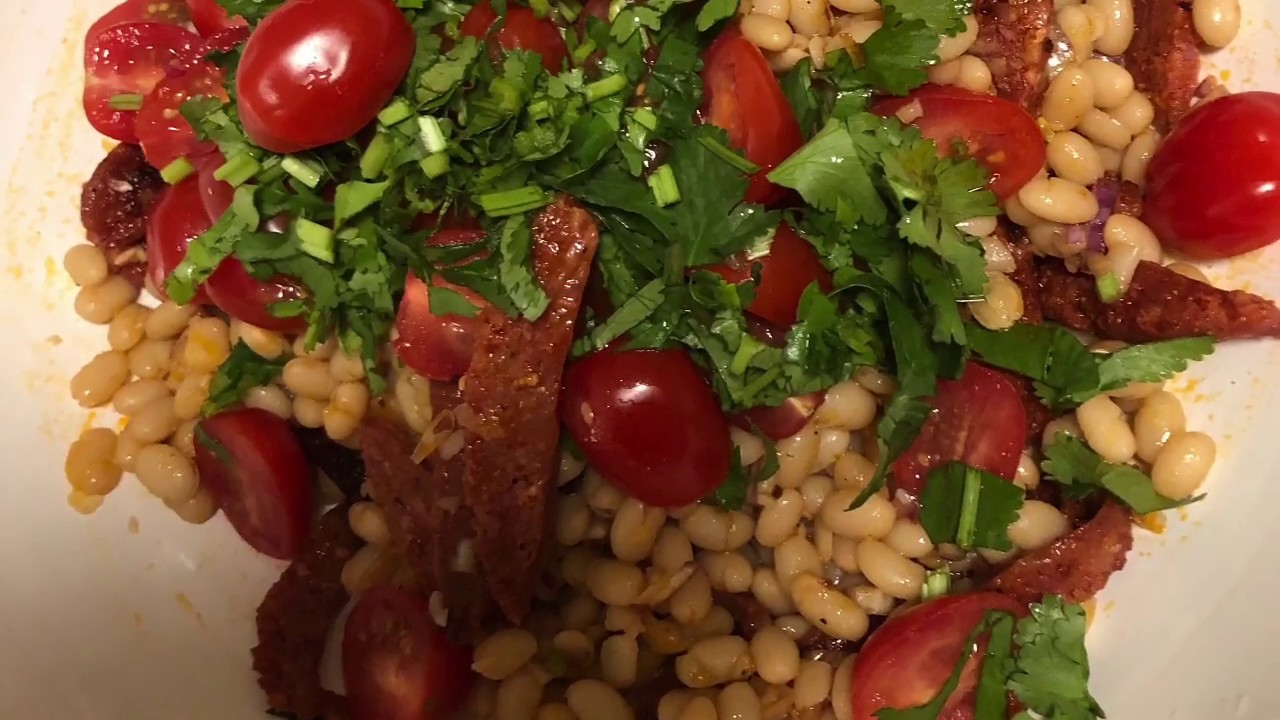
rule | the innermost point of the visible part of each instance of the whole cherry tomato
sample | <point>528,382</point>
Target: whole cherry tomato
<point>521,30</point>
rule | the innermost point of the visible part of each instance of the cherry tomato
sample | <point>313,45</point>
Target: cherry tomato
<point>998,133</point>
<point>1213,186</point>
<point>163,133</point>
<point>315,72</point>
<point>907,661</point>
<point>214,193</point>
<point>978,419</point>
<point>437,346</point>
<point>649,423</point>
<point>782,421</point>
<point>177,218</point>
<point>396,664</point>
<point>130,59</point>
<point>248,299</point>
<point>210,18</point>
<point>172,12</point>
<point>256,471</point>
<point>789,268</point>
<point>521,30</point>
<point>743,98</point>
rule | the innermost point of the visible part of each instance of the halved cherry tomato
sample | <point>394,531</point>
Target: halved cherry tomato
<point>781,421</point>
<point>210,17</point>
<point>163,133</point>
<point>316,72</point>
<point>255,469</point>
<point>248,299</point>
<point>999,134</point>
<point>177,218</point>
<point>172,12</point>
<point>649,423</point>
<point>130,59</point>
<point>743,98</point>
<point>437,346</point>
<point>396,664</point>
<point>907,661</point>
<point>214,193</point>
<point>1213,186</point>
<point>978,419</point>
<point>790,267</point>
<point>521,30</point>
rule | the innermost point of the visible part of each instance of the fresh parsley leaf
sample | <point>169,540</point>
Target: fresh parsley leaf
<point>674,87</point>
<point>732,493</point>
<point>352,198</point>
<point>438,81</point>
<point>447,301</point>
<point>630,314</point>
<point>1051,667</point>
<point>797,86</point>
<point>251,10</point>
<point>1151,362</point>
<point>945,17</point>
<point>932,710</point>
<point>969,507</point>
<point>1071,463</point>
<point>896,55</point>
<point>214,245</point>
<point>714,11</point>
<point>242,370</point>
<point>834,172</point>
<point>515,271</point>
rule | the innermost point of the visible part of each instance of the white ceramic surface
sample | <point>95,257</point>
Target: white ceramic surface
<point>129,614</point>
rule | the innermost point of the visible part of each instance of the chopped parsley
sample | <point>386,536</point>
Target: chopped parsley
<point>968,507</point>
<point>243,370</point>
<point>1081,472</point>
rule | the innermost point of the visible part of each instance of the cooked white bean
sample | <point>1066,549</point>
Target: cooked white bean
<point>701,707</point>
<point>271,398</point>
<point>776,655</point>
<point>853,471</point>
<point>1069,97</point>
<point>835,613</point>
<point>1038,524</point>
<point>153,423</point>
<point>794,556</point>
<point>100,379</point>
<point>134,396</point>
<point>191,394</point>
<point>813,684</point>
<point>86,264</point>
<point>872,519</point>
<point>1135,114</point>
<point>1133,165</point>
<point>268,343</point>
<point>1112,83</point>
<point>1183,464</point>
<point>90,465</point>
<point>841,689</point>
<point>169,319</point>
<point>771,593</point>
<point>814,491</point>
<point>738,701</point>
<point>1073,157</point>
<point>856,7</point>
<point>946,73</point>
<point>368,523</point>
<point>635,530</point>
<point>1028,475</point>
<point>1063,425</point>
<point>844,553</point>
<point>618,660</point>
<point>974,74</point>
<point>1160,418</point>
<point>166,473</point>
<point>503,653</point>
<point>890,571</point>
<point>1001,307</point>
<point>309,378</point>
<point>672,550</point>
<point>1059,200</point>
<point>766,32</point>
<point>796,455</point>
<point>1106,429</point>
<point>550,711</point>
<point>1078,26</point>
<point>614,582</point>
<point>809,18</point>
<point>100,303</point>
<point>727,571</point>
<point>873,600</point>
<point>720,530</point>
<point>773,8</point>
<point>1117,30</point>
<point>208,343</point>
<point>715,660</point>
<point>950,48</point>
<point>519,695</point>
<point>128,327</point>
<point>1216,21</point>
<point>1105,130</point>
<point>198,509</point>
<point>692,601</point>
<point>779,518</point>
<point>832,443</point>
<point>908,539</point>
<point>1186,269</point>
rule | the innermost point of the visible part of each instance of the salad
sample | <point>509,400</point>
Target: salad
<point>678,360</point>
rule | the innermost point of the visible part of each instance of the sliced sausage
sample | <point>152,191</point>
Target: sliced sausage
<point>1076,566</point>
<point>1013,39</point>
<point>1164,57</point>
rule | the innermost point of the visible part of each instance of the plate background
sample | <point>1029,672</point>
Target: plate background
<point>132,614</point>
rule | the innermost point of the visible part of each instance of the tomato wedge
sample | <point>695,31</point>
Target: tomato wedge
<point>781,421</point>
<point>177,218</point>
<point>163,133</point>
<point>791,266</point>
<point>214,193</point>
<point>521,30</point>
<point>743,98</point>
<point>397,665</point>
<point>907,661</point>
<point>978,419</point>
<point>130,60</point>
<point>248,299</point>
<point>998,133</point>
<point>257,472</point>
<point>437,346</point>
<point>172,12</point>
<point>210,18</point>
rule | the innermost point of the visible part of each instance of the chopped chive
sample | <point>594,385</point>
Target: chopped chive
<point>727,154</point>
<point>177,171</point>
<point>237,170</point>
<point>514,202</point>
<point>606,87</point>
<point>431,134</point>
<point>314,239</point>
<point>539,110</point>
<point>271,170</point>
<point>936,583</point>
<point>967,530</point>
<point>663,184</point>
<point>301,170</point>
<point>125,101</point>
<point>583,51</point>
<point>434,165</point>
<point>541,8</point>
<point>645,118</point>
<point>398,111</point>
<point>375,156</point>
<point>569,9</point>
<point>1109,288</point>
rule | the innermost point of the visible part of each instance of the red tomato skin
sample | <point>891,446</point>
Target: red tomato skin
<point>237,293</point>
<point>163,133</point>
<point>177,218</point>
<point>438,346</point>
<point>521,30</point>
<point>906,662</point>
<point>978,418</point>
<point>743,98</point>
<point>315,72</point>
<point>782,421</point>
<point>210,18</point>
<point>172,12</point>
<point>649,423</point>
<point>790,267</point>
<point>215,194</point>
<point>1213,186</point>
<point>258,474</point>
<point>999,133</point>
<point>397,665</point>
<point>131,58</point>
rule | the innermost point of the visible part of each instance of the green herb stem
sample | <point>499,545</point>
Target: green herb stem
<point>238,170</point>
<point>432,136</point>
<point>375,157</point>
<point>433,166</point>
<point>726,154</point>
<point>1109,288</point>
<point>936,583</point>
<point>605,87</point>
<point>125,102</point>
<point>663,184</point>
<point>177,171</point>
<point>569,9</point>
<point>541,8</point>
<point>583,51</point>
<point>514,202</point>
<point>301,170</point>
<point>967,530</point>
<point>314,239</point>
<point>398,111</point>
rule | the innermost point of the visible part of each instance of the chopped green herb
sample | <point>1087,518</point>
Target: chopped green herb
<point>397,111</point>
<point>936,583</point>
<point>1069,462</point>
<point>301,170</point>
<point>732,493</point>
<point>1109,288</point>
<point>432,136</point>
<point>1050,674</point>
<point>663,184</point>
<point>314,239</point>
<point>514,202</point>
<point>177,171</point>
<point>969,507</point>
<point>243,370</point>
<point>238,169</point>
<point>125,101</point>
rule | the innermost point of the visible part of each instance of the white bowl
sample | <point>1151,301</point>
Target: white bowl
<point>132,614</point>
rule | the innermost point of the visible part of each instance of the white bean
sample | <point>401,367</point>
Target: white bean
<point>1183,464</point>
<point>1059,200</point>
<point>827,608</point>
<point>1106,429</point>
<point>1073,157</point>
<point>1118,27</point>
<point>890,571</point>
<point>1216,21</point>
<point>1038,524</point>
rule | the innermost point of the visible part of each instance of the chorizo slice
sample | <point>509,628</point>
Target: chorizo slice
<point>117,199</point>
<point>1076,566</point>
<point>1164,57</point>
<point>1013,39</point>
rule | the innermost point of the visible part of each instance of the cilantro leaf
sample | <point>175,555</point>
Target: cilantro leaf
<point>932,710</point>
<point>1151,362</point>
<point>628,315</point>
<point>1071,463</point>
<point>797,86</point>
<point>945,17</point>
<point>210,248</point>
<point>969,507</point>
<point>438,81</point>
<point>242,370</point>
<point>732,493</point>
<point>447,301</point>
<point>514,269</point>
<point>895,55</point>
<point>250,10</point>
<point>1051,668</point>
<point>714,11</point>
<point>833,172</point>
